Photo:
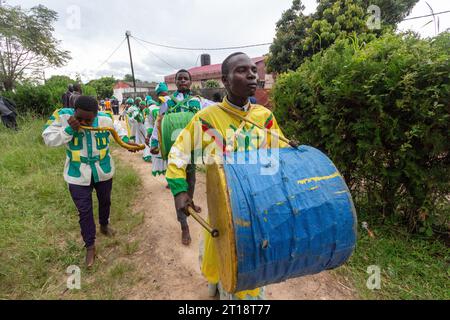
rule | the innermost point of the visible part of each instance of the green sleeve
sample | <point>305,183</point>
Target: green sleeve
<point>177,185</point>
<point>69,130</point>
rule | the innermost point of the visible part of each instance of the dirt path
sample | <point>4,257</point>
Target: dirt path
<point>169,270</point>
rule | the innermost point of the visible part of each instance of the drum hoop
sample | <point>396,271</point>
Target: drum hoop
<point>229,283</point>
<point>232,238</point>
<point>161,147</point>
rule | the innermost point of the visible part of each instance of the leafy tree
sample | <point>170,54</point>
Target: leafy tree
<point>44,99</point>
<point>381,112</point>
<point>35,99</point>
<point>89,91</point>
<point>61,81</point>
<point>300,36</point>
<point>27,44</point>
<point>129,78</point>
<point>392,11</point>
<point>103,86</point>
<point>57,85</point>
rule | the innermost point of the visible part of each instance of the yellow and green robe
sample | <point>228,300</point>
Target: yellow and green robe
<point>178,102</point>
<point>214,124</point>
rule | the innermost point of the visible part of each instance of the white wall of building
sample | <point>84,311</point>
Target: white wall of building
<point>122,92</point>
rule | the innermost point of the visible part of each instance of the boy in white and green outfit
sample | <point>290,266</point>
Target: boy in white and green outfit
<point>88,163</point>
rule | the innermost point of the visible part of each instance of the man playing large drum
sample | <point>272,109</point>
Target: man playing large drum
<point>239,75</point>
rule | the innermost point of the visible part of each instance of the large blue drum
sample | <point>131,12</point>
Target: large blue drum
<point>280,215</point>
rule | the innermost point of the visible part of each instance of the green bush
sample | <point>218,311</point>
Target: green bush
<point>43,99</point>
<point>381,112</point>
<point>32,98</point>
<point>103,86</point>
<point>212,84</point>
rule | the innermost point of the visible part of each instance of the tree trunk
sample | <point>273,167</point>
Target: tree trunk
<point>8,84</point>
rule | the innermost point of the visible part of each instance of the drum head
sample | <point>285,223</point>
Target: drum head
<point>221,218</point>
<point>171,123</point>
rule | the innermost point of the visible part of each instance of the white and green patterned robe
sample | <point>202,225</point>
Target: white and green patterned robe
<point>87,152</point>
<point>159,165</point>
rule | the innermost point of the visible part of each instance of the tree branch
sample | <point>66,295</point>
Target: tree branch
<point>35,62</point>
<point>19,56</point>
<point>2,63</point>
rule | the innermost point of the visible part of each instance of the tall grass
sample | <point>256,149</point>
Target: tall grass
<point>411,266</point>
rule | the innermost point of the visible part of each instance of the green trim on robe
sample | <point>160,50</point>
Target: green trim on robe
<point>69,130</point>
<point>177,185</point>
<point>158,173</point>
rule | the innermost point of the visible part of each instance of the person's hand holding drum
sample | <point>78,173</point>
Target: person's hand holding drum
<point>294,143</point>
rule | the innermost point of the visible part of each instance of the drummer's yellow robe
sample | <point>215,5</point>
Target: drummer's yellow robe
<point>210,125</point>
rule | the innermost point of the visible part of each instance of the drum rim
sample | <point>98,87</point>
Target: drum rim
<point>228,283</point>
<point>161,148</point>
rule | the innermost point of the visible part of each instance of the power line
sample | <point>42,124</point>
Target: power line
<point>234,47</point>
<point>428,15</point>
<point>112,53</point>
<point>204,49</point>
<point>197,59</point>
<point>222,48</point>
<point>152,53</point>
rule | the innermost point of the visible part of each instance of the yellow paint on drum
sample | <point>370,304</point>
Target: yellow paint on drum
<point>316,179</point>
<point>221,218</point>
<point>242,223</point>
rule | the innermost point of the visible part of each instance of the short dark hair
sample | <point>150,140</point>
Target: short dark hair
<point>217,97</point>
<point>225,63</point>
<point>77,87</point>
<point>86,103</point>
<point>183,70</point>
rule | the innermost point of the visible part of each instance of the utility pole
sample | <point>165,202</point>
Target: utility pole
<point>128,34</point>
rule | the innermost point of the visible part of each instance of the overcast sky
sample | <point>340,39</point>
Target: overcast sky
<point>91,30</point>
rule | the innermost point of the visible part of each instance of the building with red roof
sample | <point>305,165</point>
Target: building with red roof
<point>200,75</point>
<point>124,89</point>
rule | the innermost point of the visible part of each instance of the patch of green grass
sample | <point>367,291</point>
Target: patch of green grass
<point>40,234</point>
<point>412,266</point>
<point>130,247</point>
<point>119,269</point>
